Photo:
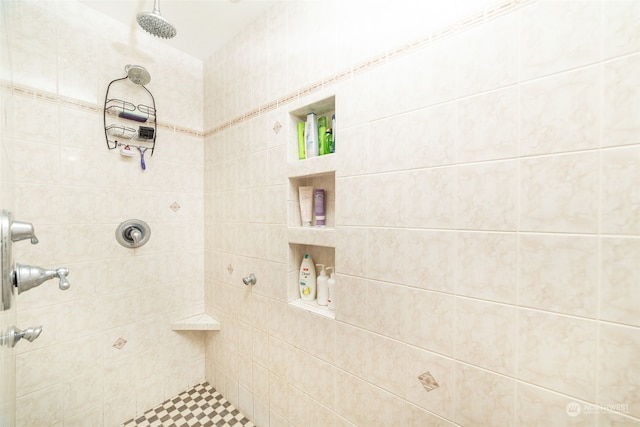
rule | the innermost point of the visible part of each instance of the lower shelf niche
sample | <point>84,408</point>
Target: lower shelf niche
<point>320,255</point>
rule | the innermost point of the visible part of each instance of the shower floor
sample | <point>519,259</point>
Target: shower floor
<point>200,406</point>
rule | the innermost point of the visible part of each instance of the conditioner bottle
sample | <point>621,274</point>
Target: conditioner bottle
<point>323,290</point>
<point>331,289</point>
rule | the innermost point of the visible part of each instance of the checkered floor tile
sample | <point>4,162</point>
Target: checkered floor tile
<point>200,406</point>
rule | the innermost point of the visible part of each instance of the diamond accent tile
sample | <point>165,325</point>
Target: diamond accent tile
<point>428,382</point>
<point>174,206</point>
<point>277,127</point>
<point>120,342</point>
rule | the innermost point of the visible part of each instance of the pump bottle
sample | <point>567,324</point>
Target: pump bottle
<point>322,284</point>
<point>331,289</point>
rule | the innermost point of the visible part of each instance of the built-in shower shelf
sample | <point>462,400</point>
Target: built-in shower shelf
<point>317,236</point>
<point>314,307</point>
<point>199,322</point>
<point>319,165</point>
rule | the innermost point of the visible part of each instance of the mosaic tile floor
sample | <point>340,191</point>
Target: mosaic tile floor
<point>200,406</point>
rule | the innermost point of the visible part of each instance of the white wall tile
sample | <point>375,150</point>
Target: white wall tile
<point>620,109</point>
<point>432,198</point>
<point>619,273</point>
<point>495,405</point>
<point>41,407</point>
<point>535,405</point>
<point>430,259</point>
<point>488,126</point>
<point>557,36</point>
<point>489,55</point>
<point>487,196</point>
<point>561,112</point>
<point>558,353</point>
<point>618,30</point>
<point>486,335</point>
<point>620,198</point>
<point>428,320</point>
<point>559,193</point>
<point>558,273</point>
<point>618,366</point>
<point>487,266</point>
<point>387,200</point>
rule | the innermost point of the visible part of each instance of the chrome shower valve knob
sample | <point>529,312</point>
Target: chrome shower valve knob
<point>27,277</point>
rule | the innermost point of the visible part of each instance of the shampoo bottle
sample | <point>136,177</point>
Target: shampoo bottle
<point>323,148</point>
<point>331,286</point>
<point>307,282</point>
<point>333,129</point>
<point>311,135</point>
<point>301,148</point>
<point>323,290</point>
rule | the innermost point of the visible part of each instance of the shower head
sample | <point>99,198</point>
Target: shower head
<point>156,25</point>
<point>138,74</point>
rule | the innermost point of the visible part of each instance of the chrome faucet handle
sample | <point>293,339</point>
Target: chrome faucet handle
<point>30,334</point>
<point>249,280</point>
<point>136,236</point>
<point>26,277</point>
<point>62,274</point>
<point>22,230</point>
<point>13,335</point>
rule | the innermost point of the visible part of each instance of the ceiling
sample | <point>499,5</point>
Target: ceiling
<point>203,25</point>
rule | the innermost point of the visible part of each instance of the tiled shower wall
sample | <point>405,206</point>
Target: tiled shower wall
<point>487,216</point>
<point>75,192</point>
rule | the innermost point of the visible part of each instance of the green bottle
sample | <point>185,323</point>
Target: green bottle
<point>323,147</point>
<point>301,145</point>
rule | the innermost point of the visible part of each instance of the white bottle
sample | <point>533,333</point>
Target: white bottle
<point>323,289</point>
<point>311,135</point>
<point>331,288</point>
<point>307,282</point>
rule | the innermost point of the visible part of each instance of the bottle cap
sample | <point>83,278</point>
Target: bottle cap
<point>323,272</point>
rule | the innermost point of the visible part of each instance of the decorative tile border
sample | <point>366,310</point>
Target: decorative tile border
<point>77,104</point>
<point>479,18</point>
<point>465,24</point>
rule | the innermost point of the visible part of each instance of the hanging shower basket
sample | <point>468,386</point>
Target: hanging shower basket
<point>127,123</point>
